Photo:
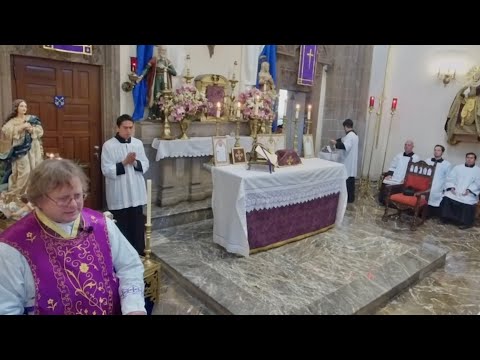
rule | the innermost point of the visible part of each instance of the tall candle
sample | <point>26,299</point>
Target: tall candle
<point>264,87</point>
<point>165,79</point>
<point>238,109</point>
<point>309,113</point>
<point>219,106</point>
<point>257,100</point>
<point>149,202</point>
<point>297,112</point>
<point>372,102</point>
<point>394,104</point>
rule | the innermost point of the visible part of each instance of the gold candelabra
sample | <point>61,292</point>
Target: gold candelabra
<point>151,272</point>
<point>365,190</point>
<point>295,136</point>
<point>166,134</point>
<point>392,113</point>
<point>148,250</point>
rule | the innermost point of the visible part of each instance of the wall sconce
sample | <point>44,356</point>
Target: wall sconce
<point>446,77</point>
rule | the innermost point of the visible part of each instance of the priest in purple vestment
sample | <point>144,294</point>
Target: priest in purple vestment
<point>64,259</point>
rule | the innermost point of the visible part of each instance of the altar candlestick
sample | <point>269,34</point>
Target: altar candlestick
<point>165,79</point>
<point>219,106</point>
<point>149,202</point>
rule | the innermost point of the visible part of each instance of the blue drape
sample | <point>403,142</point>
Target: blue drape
<point>144,54</point>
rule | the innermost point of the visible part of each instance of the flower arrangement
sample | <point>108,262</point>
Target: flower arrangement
<point>186,102</point>
<point>252,98</point>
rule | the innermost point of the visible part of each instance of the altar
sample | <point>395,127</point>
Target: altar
<point>254,210</point>
<point>179,175</point>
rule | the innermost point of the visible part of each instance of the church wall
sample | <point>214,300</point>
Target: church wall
<point>423,100</point>
<point>346,92</point>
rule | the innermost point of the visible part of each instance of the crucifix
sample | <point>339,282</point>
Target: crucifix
<point>310,54</point>
<point>211,48</point>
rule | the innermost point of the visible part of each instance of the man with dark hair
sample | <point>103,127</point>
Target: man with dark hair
<point>442,169</point>
<point>349,145</point>
<point>123,164</point>
<point>461,193</point>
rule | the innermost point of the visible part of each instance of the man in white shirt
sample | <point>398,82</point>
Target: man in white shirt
<point>442,169</point>
<point>348,145</point>
<point>460,199</point>
<point>64,259</point>
<point>398,167</point>
<point>123,164</point>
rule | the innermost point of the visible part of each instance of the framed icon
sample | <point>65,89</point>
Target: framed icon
<point>308,151</point>
<point>238,155</point>
<point>220,151</point>
<point>273,142</point>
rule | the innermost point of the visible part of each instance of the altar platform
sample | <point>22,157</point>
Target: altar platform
<point>353,269</point>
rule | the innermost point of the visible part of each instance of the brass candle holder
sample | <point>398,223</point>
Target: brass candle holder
<point>151,272</point>
<point>295,136</point>
<point>365,180</point>
<point>166,134</point>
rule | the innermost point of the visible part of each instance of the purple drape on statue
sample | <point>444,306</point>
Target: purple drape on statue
<point>72,276</point>
<point>268,226</point>
<point>307,65</point>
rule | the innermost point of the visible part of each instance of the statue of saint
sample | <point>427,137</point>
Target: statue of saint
<point>464,115</point>
<point>265,79</point>
<point>159,72</point>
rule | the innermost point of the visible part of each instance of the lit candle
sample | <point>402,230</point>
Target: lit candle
<point>309,113</point>
<point>238,109</point>
<point>149,202</point>
<point>297,112</point>
<point>219,106</point>
<point>234,69</point>
<point>394,104</point>
<point>51,156</point>
<point>165,79</point>
<point>372,102</point>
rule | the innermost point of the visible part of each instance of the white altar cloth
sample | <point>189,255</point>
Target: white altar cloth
<point>194,147</point>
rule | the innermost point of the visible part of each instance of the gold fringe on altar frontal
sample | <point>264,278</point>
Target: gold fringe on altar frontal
<point>296,238</point>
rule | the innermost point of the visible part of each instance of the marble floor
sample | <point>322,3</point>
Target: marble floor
<point>293,280</point>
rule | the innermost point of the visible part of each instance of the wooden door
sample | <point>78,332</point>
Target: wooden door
<point>74,130</point>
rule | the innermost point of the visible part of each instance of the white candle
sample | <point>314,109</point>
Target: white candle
<point>257,100</point>
<point>149,202</point>
<point>219,105</point>
<point>297,111</point>
<point>238,109</point>
<point>165,79</point>
<point>309,113</point>
<point>264,87</point>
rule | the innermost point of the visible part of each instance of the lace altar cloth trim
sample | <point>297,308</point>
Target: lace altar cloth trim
<point>277,197</point>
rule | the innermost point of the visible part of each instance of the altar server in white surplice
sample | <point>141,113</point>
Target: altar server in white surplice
<point>123,164</point>
<point>442,169</point>
<point>349,155</point>
<point>398,167</point>
<point>461,193</point>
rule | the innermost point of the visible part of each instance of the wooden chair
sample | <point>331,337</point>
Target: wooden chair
<point>418,181</point>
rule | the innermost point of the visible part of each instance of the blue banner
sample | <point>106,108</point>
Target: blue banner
<point>144,54</point>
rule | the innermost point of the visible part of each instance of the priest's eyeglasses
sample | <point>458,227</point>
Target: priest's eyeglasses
<point>66,200</point>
